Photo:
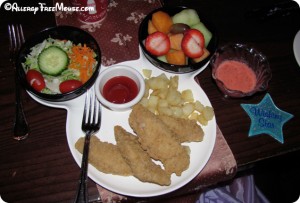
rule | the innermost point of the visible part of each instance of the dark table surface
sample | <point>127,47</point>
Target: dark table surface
<point>42,169</point>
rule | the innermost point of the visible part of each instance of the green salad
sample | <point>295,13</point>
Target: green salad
<point>59,66</point>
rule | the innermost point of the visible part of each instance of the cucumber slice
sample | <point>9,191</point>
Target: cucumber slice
<point>53,60</point>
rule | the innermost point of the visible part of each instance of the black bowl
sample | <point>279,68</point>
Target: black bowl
<point>73,34</point>
<point>191,66</point>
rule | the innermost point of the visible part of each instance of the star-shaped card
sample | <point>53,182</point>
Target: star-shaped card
<point>266,118</point>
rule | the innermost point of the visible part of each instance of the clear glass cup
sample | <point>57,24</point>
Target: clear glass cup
<point>247,55</point>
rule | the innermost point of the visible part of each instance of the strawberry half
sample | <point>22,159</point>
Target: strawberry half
<point>193,43</point>
<point>158,43</point>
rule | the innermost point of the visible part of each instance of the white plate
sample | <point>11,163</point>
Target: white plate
<point>296,47</point>
<point>200,151</point>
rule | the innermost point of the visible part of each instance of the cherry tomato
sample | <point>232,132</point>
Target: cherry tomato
<point>69,85</point>
<point>36,80</point>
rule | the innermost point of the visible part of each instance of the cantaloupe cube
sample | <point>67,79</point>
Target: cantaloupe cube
<point>151,27</point>
<point>204,56</point>
<point>176,41</point>
<point>162,21</point>
<point>176,57</point>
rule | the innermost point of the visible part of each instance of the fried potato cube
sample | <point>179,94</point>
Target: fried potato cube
<point>162,110</point>
<point>162,103</point>
<point>187,95</point>
<point>144,101</point>
<point>174,82</point>
<point>193,116</point>
<point>188,109</point>
<point>163,97</point>
<point>153,100</point>
<point>158,82</point>
<point>155,92</point>
<point>146,93</point>
<point>164,77</point>
<point>173,97</point>
<point>147,73</point>
<point>208,113</point>
<point>177,111</point>
<point>202,119</point>
<point>199,106</point>
<point>163,93</point>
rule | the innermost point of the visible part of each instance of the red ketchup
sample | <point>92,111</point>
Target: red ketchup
<point>236,76</point>
<point>120,90</point>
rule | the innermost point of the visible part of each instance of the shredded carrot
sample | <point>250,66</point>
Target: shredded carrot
<point>82,58</point>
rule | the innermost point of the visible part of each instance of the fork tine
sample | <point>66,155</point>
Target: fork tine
<point>98,122</point>
<point>88,109</point>
<point>91,117</point>
<point>21,34</point>
<point>85,111</point>
<point>10,37</point>
<point>96,115</point>
<point>97,110</point>
<point>18,37</point>
<point>14,39</point>
<point>94,112</point>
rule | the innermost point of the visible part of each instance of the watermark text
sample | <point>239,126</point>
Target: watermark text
<point>14,7</point>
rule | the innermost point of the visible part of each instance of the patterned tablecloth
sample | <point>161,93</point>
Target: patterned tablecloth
<point>117,36</point>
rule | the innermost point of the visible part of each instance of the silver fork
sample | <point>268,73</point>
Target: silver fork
<point>16,39</point>
<point>91,122</point>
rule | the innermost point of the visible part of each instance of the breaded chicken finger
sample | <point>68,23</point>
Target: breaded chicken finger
<point>105,156</point>
<point>139,161</point>
<point>184,129</point>
<point>158,140</point>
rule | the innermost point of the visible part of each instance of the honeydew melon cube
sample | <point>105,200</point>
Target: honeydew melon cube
<point>162,58</point>
<point>206,33</point>
<point>186,16</point>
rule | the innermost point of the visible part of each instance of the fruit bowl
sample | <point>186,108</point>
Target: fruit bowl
<point>60,34</point>
<point>191,64</point>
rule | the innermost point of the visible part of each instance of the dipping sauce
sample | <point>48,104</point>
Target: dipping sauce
<point>120,90</point>
<point>236,76</point>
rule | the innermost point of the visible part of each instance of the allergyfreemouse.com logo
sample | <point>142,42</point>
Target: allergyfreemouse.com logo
<point>14,7</point>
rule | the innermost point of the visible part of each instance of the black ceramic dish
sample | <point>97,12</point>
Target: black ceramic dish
<point>191,66</point>
<point>73,34</point>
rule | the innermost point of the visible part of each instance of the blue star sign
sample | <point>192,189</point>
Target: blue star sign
<point>266,118</point>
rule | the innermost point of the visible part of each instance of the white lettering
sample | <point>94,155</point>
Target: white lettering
<point>44,8</point>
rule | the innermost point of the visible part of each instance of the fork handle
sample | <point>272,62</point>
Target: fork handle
<point>21,129</point>
<point>82,193</point>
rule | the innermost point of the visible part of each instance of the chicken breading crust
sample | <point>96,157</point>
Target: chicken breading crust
<point>184,129</point>
<point>158,140</point>
<point>105,156</point>
<point>139,161</point>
